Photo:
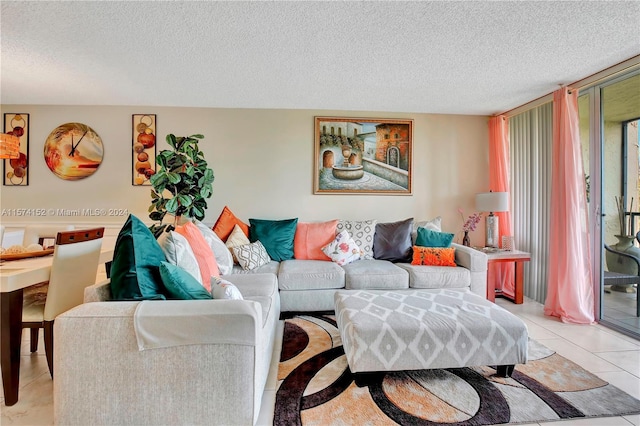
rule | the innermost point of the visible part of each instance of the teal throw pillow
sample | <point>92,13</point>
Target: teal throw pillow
<point>429,238</point>
<point>180,284</point>
<point>135,273</point>
<point>275,235</point>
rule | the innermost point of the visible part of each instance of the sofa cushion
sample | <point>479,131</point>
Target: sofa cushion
<point>237,238</point>
<point>434,256</point>
<point>178,252</point>
<point>251,256</point>
<point>309,274</point>
<point>392,241</point>
<point>251,285</point>
<point>375,274</point>
<point>429,238</point>
<point>201,249</point>
<point>135,273</point>
<point>362,233</point>
<point>270,268</point>
<point>275,235</point>
<point>437,276</point>
<point>180,284</point>
<point>311,237</point>
<point>226,222</point>
<point>342,250</point>
<point>219,249</point>
<point>434,224</point>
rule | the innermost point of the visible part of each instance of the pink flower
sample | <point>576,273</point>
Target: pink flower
<point>471,222</point>
<point>344,247</point>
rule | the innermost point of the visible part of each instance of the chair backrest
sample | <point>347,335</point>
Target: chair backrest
<point>34,234</point>
<point>75,264</point>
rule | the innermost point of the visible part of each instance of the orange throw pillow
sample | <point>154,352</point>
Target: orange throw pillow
<point>225,223</point>
<point>311,237</point>
<point>202,250</point>
<point>433,256</point>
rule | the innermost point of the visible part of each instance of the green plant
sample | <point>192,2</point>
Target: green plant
<point>182,184</point>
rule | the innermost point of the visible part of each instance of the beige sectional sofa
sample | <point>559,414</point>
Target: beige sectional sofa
<point>213,367</point>
<point>310,285</point>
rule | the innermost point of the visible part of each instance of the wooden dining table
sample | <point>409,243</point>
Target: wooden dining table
<point>15,276</point>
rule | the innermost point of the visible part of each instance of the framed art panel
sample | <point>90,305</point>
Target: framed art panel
<point>16,171</point>
<point>362,156</point>
<point>144,149</point>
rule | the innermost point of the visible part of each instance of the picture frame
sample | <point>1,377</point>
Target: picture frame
<point>16,171</point>
<point>354,155</point>
<point>143,140</point>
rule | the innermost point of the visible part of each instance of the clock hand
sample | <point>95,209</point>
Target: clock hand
<point>73,147</point>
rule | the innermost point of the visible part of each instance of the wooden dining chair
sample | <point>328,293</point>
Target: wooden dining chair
<point>74,267</point>
<point>40,234</point>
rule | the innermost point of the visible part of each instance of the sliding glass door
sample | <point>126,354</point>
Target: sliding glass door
<point>609,117</point>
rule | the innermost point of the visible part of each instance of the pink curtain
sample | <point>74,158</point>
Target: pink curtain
<point>502,273</point>
<point>569,289</point>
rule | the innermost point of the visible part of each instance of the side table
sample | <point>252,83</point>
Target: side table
<point>503,256</point>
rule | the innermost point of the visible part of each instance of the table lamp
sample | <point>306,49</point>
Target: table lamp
<point>492,202</point>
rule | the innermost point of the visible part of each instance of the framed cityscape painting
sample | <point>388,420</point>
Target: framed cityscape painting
<point>362,156</point>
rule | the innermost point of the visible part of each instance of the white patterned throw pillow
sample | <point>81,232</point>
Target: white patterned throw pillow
<point>237,238</point>
<point>342,250</point>
<point>434,224</point>
<point>251,256</point>
<point>223,289</point>
<point>362,233</point>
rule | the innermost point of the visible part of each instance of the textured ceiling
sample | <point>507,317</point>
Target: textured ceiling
<point>433,57</point>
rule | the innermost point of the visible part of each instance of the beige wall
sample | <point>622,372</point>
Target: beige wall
<point>262,160</point>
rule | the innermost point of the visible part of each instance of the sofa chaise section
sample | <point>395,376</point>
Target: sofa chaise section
<point>101,376</point>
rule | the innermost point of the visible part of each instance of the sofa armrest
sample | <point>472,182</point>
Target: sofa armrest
<point>99,292</point>
<point>96,356</point>
<point>476,262</point>
<point>470,258</point>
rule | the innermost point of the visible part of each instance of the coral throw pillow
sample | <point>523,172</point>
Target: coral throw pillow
<point>311,237</point>
<point>225,223</point>
<point>202,251</point>
<point>433,256</point>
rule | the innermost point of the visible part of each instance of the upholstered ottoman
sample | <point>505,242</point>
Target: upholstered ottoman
<point>427,328</point>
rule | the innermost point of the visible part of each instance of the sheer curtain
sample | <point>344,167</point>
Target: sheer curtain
<point>569,290</point>
<point>502,273</point>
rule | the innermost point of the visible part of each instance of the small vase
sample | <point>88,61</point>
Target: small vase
<point>466,241</point>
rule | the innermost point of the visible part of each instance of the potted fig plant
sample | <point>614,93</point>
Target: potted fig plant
<point>182,184</point>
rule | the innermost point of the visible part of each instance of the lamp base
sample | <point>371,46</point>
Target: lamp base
<point>492,231</point>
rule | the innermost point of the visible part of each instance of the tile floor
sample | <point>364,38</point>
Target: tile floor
<point>611,355</point>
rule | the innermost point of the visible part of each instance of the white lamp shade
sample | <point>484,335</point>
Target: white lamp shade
<point>492,201</point>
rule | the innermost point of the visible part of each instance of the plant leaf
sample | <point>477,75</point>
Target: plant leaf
<point>172,205</point>
<point>174,178</point>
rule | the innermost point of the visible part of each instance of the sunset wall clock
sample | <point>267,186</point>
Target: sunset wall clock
<point>73,151</point>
